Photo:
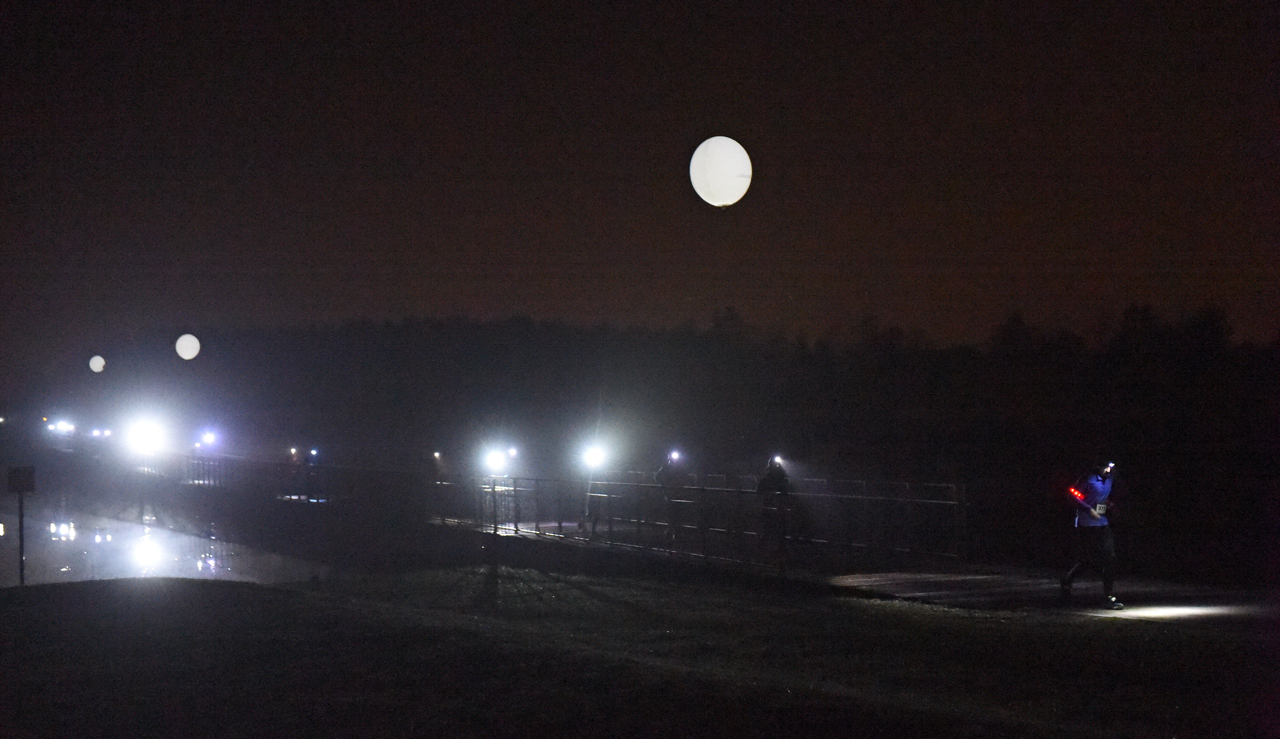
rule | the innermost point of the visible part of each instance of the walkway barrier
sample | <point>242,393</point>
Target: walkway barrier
<point>823,523</point>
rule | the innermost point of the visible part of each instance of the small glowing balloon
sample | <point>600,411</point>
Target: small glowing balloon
<point>188,346</point>
<point>97,363</point>
<point>720,171</point>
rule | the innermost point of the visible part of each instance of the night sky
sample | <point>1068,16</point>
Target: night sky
<point>225,165</point>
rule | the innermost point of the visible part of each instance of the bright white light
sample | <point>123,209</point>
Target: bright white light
<point>53,528</point>
<point>436,455</point>
<point>496,461</point>
<point>512,452</point>
<point>778,460</point>
<point>96,363</point>
<point>97,538</point>
<point>593,457</point>
<point>208,438</point>
<point>145,437</point>
<point>146,552</point>
<point>187,346</point>
<point>675,456</point>
<point>1172,612</point>
<point>62,427</point>
<point>720,171</point>
<point>314,452</point>
<point>97,432</point>
<point>293,450</point>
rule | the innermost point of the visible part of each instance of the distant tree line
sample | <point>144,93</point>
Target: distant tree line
<point>1189,415</point>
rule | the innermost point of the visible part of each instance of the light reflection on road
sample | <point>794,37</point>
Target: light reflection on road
<point>70,547</point>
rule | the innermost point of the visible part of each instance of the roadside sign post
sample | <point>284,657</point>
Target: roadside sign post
<point>22,480</point>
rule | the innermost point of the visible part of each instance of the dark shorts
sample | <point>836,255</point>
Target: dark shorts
<point>1097,545</point>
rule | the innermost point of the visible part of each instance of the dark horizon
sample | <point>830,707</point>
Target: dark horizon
<point>230,165</point>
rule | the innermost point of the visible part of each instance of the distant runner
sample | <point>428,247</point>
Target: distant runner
<point>1096,543</point>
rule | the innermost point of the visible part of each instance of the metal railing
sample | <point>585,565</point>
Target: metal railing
<point>823,523</point>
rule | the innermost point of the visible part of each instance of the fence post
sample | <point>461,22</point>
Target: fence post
<point>608,514</point>
<point>702,516</point>
<point>515,501</point>
<point>493,493</point>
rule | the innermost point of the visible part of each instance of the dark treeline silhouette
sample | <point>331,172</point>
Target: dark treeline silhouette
<point>1189,415</point>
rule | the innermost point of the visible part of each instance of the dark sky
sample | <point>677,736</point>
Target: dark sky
<point>218,164</point>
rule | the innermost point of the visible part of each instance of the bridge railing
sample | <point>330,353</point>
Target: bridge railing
<point>821,522</point>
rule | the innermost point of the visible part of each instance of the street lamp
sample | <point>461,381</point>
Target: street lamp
<point>496,461</point>
<point>593,457</point>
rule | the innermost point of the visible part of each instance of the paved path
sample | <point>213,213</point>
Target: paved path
<point>999,588</point>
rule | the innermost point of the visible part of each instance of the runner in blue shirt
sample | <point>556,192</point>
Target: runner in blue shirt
<point>1092,498</point>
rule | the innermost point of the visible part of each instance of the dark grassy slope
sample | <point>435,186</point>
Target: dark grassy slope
<point>491,650</point>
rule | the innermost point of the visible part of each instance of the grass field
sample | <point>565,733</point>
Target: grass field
<point>489,649</point>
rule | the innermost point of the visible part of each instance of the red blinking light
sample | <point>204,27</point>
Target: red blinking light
<point>1078,495</point>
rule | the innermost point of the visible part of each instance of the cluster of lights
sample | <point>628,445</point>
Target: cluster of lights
<point>207,439</point>
<point>65,532</point>
<point>62,427</point>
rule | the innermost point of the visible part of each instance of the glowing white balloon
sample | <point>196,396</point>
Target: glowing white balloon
<point>720,171</point>
<point>188,346</point>
<point>97,363</point>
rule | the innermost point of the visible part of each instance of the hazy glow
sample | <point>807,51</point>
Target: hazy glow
<point>496,461</point>
<point>1172,612</point>
<point>146,552</point>
<point>96,363</point>
<point>187,346</point>
<point>145,437</point>
<point>208,438</point>
<point>720,171</point>
<point>593,457</point>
